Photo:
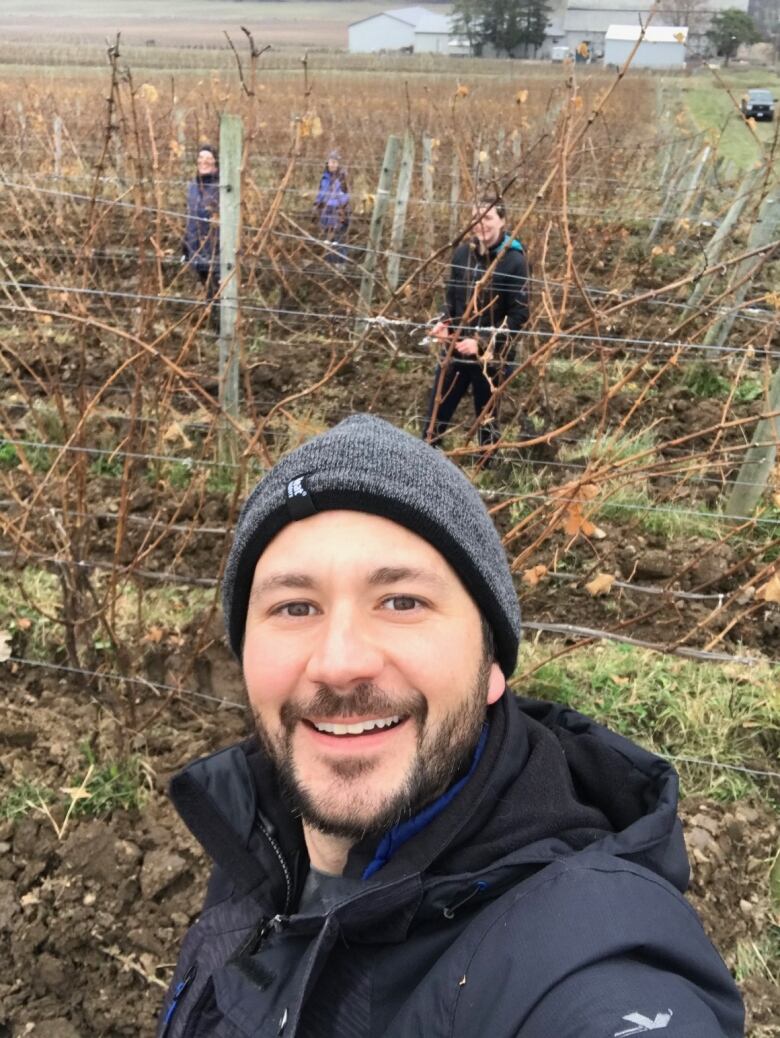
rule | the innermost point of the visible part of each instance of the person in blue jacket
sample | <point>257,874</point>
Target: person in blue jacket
<point>200,245</point>
<point>332,209</point>
<point>404,848</point>
<point>486,302</point>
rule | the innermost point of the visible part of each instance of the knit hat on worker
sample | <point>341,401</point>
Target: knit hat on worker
<point>365,464</point>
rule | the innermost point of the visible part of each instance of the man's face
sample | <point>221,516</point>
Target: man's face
<point>365,670</point>
<point>206,163</point>
<point>489,225</point>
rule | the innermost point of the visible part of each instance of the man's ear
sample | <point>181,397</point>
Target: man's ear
<point>496,684</point>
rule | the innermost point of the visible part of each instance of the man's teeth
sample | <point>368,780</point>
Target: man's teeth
<point>358,728</point>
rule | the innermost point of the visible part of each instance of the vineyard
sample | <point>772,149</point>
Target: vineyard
<point>636,482</point>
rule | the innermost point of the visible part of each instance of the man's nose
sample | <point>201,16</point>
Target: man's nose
<point>344,653</point>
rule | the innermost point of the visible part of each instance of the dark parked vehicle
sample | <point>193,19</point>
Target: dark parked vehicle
<point>758,104</point>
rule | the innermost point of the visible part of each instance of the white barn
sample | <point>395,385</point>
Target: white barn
<point>662,47</point>
<point>433,34</point>
<point>390,30</point>
<point>574,22</point>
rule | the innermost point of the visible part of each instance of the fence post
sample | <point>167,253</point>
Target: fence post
<point>230,152</point>
<point>717,242</point>
<point>399,213</point>
<point>759,458</point>
<point>377,221</point>
<point>454,196</point>
<point>666,205</point>
<point>693,182</point>
<point>764,230</point>
<point>58,168</point>
<point>427,194</point>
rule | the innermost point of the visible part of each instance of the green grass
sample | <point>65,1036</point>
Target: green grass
<point>724,713</point>
<point>612,447</point>
<point>760,958</point>
<point>21,799</point>
<point>170,608</point>
<point>97,791</point>
<point>632,504</point>
<point>711,108</point>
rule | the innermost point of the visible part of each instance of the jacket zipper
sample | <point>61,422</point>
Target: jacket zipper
<point>181,988</point>
<point>287,877</point>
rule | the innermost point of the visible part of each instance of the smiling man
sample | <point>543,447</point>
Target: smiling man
<point>403,848</point>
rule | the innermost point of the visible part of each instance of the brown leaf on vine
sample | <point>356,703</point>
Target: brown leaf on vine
<point>533,575</point>
<point>600,585</point>
<point>770,592</point>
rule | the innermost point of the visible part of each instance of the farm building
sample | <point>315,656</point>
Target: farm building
<point>390,30</point>
<point>576,22</point>
<point>409,28</point>
<point>433,35</point>
<point>662,47</point>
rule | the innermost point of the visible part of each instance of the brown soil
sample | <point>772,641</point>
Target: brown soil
<point>90,923</point>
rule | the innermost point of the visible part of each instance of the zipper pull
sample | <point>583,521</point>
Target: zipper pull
<point>181,987</point>
<point>449,911</point>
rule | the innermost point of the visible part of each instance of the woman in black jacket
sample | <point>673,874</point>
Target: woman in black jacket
<point>478,346</point>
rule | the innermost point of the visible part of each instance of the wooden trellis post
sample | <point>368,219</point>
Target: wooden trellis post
<point>667,206</point>
<point>377,221</point>
<point>58,168</point>
<point>717,242</point>
<point>230,151</point>
<point>764,231</point>
<point>759,459</point>
<point>427,194</point>
<point>399,212</point>
<point>693,182</point>
<point>454,196</point>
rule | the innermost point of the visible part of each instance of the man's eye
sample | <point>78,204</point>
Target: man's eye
<point>294,609</point>
<point>401,603</point>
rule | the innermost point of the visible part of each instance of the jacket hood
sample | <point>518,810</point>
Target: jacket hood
<point>549,783</point>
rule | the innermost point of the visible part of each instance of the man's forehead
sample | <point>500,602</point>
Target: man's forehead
<point>379,549</point>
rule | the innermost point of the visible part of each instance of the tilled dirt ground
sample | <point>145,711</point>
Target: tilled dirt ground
<point>90,921</point>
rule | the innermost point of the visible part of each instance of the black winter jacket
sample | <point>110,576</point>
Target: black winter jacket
<point>502,301</point>
<point>543,902</point>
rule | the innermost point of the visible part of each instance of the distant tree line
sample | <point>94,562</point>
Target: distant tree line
<point>506,24</point>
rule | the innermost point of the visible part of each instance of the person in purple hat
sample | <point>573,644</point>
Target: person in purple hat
<point>200,245</point>
<point>331,207</point>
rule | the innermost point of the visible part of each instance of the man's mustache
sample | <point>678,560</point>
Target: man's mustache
<point>365,699</point>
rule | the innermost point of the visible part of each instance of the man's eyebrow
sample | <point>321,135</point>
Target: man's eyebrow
<point>394,574</point>
<point>282,580</point>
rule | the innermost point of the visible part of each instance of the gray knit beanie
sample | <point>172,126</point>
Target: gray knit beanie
<point>367,465</point>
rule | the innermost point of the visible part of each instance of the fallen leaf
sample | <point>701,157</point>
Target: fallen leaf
<point>521,97</point>
<point>600,585</point>
<point>462,91</point>
<point>657,250</point>
<point>76,792</point>
<point>770,592</point>
<point>533,575</point>
<point>148,93</point>
<point>5,646</point>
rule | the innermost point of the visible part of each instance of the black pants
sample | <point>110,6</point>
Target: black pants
<point>457,377</point>
<point>209,278</point>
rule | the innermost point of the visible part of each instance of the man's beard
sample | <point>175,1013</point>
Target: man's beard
<point>442,755</point>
